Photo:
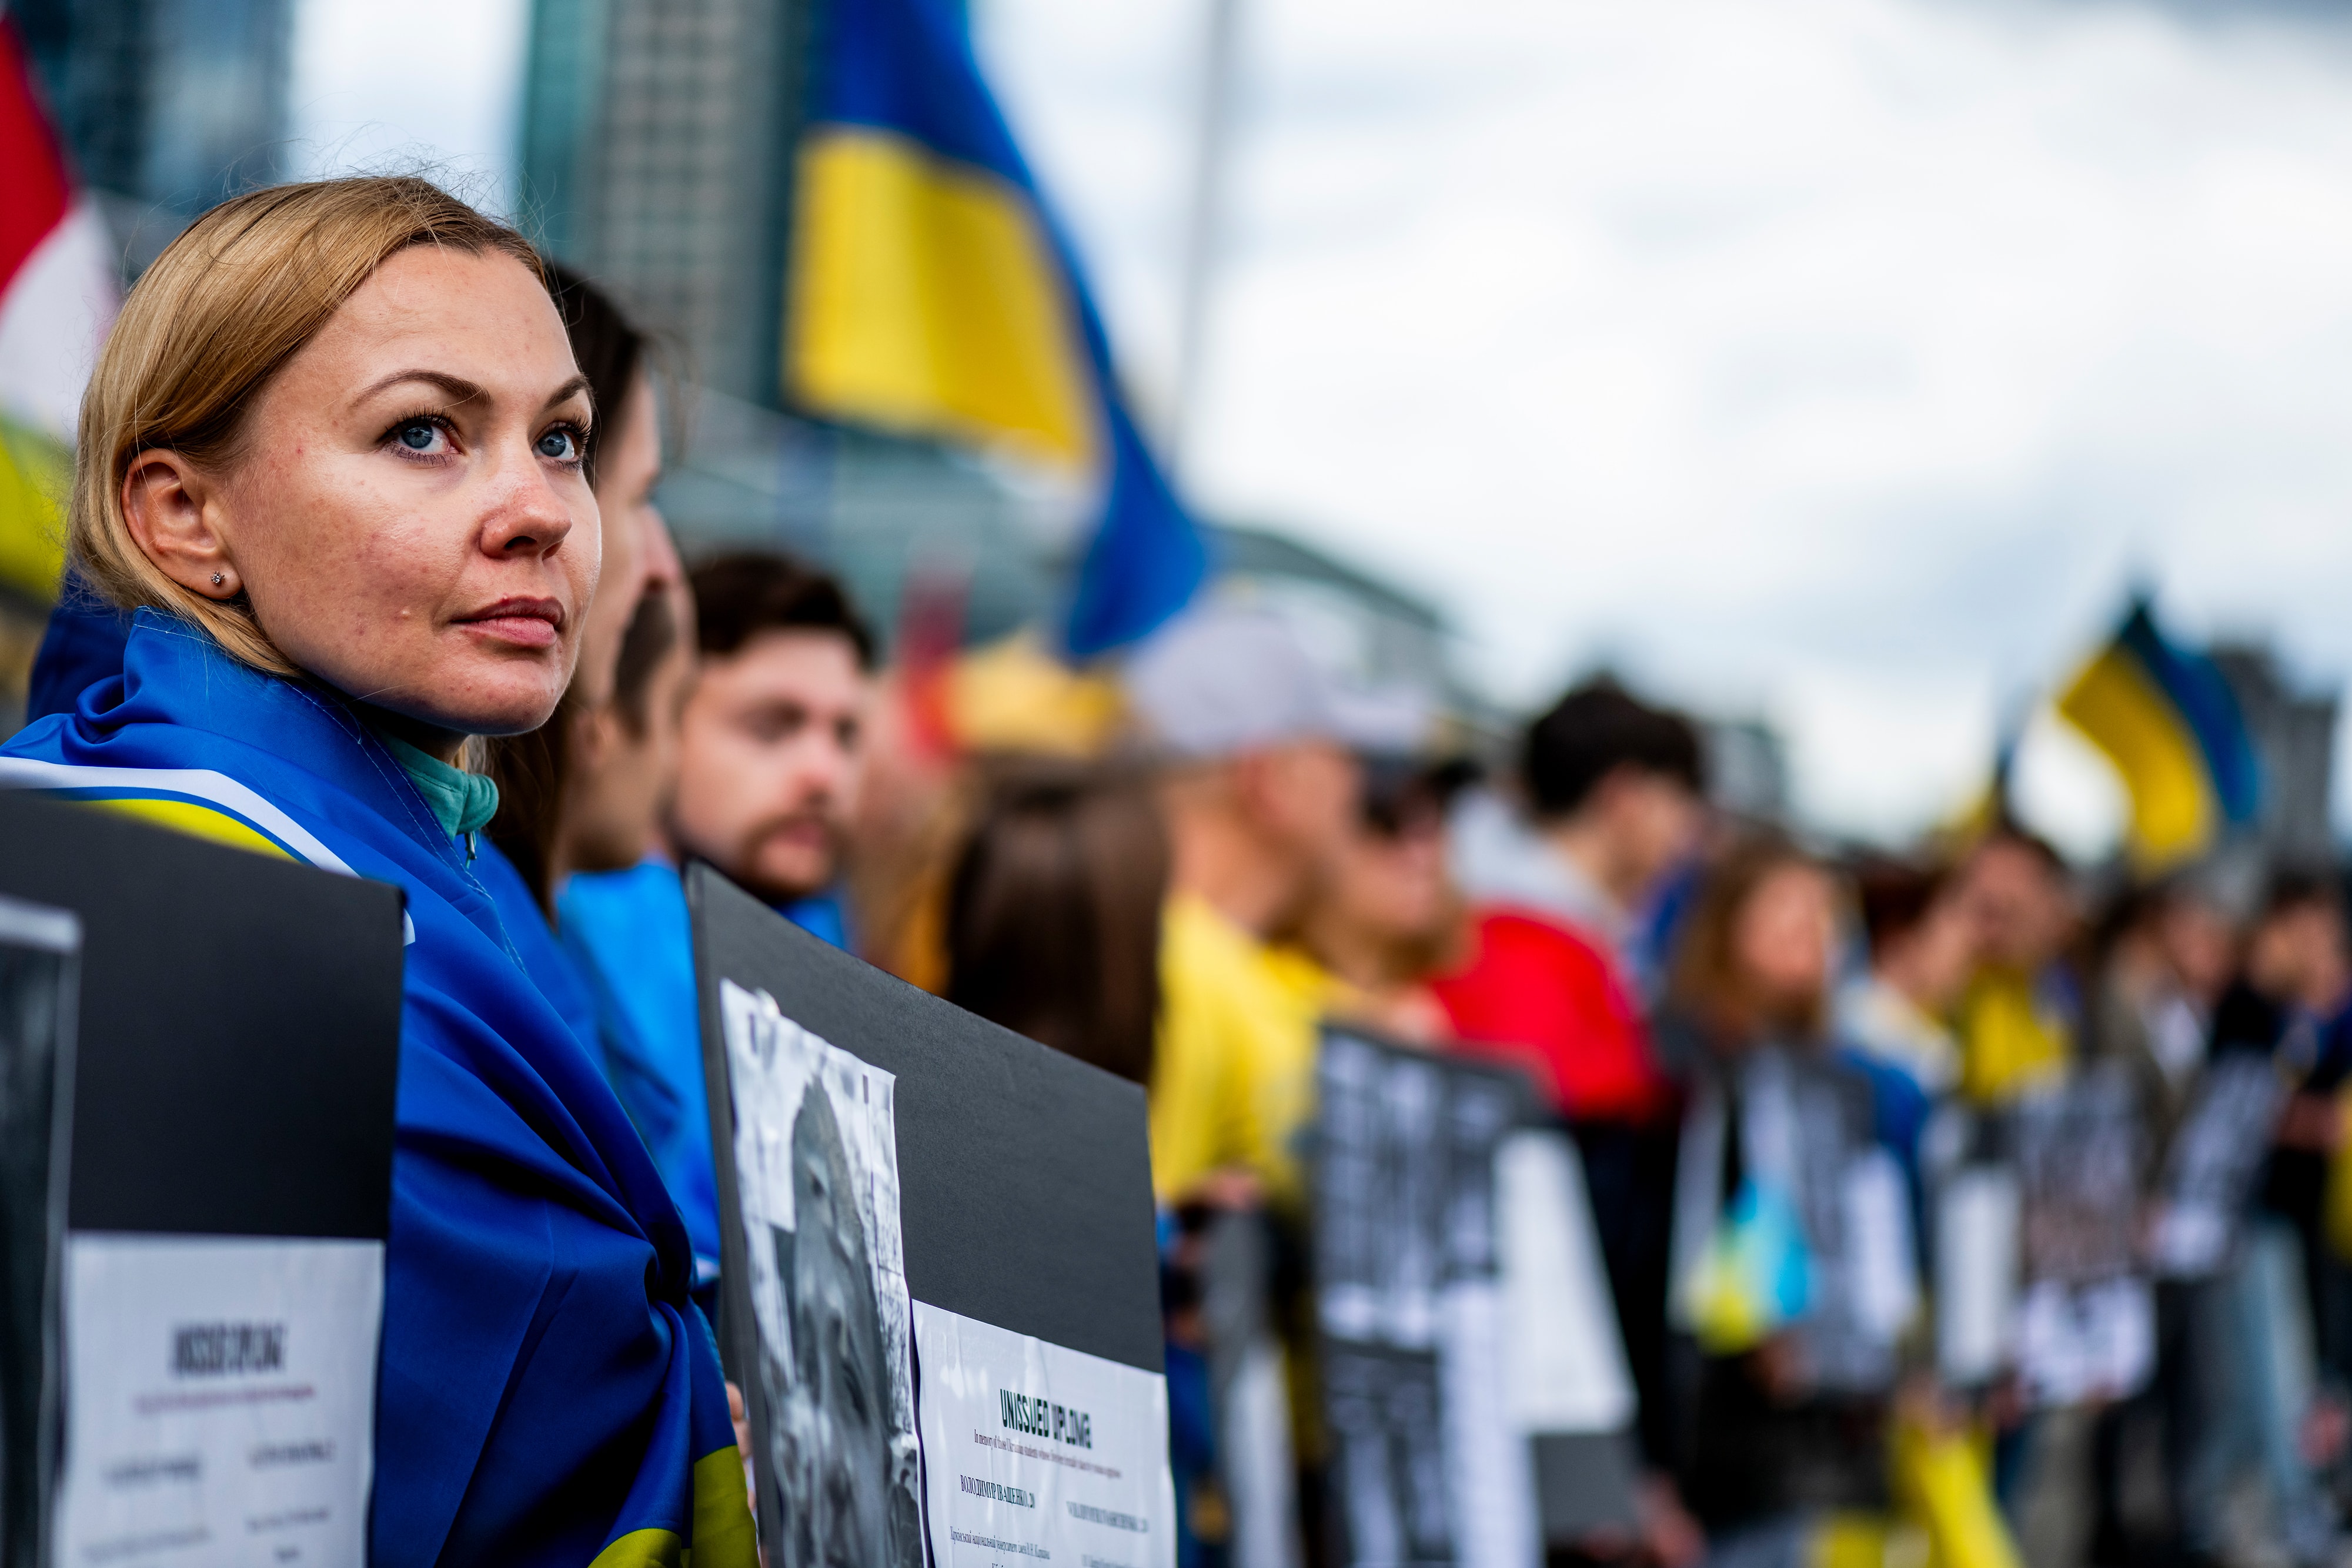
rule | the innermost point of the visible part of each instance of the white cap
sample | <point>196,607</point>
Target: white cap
<point>1219,680</point>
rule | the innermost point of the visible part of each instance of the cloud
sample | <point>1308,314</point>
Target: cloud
<point>431,85</point>
<point>1840,360</point>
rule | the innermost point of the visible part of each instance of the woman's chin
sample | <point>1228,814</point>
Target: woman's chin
<point>504,708</point>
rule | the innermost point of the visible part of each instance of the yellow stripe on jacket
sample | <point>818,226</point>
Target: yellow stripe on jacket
<point>196,821</point>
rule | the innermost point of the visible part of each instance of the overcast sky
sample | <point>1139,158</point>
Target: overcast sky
<point>1836,362</point>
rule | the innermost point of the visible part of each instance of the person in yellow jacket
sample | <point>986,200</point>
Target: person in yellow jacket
<point>2021,1019</point>
<point>1260,789</point>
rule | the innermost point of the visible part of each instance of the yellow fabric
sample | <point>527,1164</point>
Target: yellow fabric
<point>1847,1540</point>
<point>2338,1217</point>
<point>723,1533</point>
<point>925,298</point>
<point>643,1549</point>
<point>2007,1044</point>
<point>1942,1479</point>
<point>196,821</point>
<point>724,1536</point>
<point>1234,1073</point>
<point>1014,695</point>
<point>2123,712</point>
<point>34,474</point>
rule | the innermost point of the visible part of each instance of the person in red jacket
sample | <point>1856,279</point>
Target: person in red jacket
<point>1614,793</point>
<point>1612,787</point>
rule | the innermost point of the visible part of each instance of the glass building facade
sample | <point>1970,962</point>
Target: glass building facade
<point>165,106</point>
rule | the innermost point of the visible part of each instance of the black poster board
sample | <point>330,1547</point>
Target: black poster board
<point>229,1183</point>
<point>277,989</point>
<point>1022,1189</point>
<point>1421,1170</point>
<point>39,953</point>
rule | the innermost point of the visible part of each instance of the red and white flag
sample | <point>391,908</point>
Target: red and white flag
<point>57,292</point>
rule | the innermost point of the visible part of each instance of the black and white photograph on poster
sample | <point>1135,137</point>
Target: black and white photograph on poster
<point>37,945</point>
<point>2085,1312</point>
<point>817,1167</point>
<point>2211,1164</point>
<point>1428,1465</point>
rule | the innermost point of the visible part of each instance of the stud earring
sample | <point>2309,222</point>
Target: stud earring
<point>216,580</point>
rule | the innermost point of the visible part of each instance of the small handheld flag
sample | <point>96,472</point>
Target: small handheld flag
<point>931,294</point>
<point>2165,717</point>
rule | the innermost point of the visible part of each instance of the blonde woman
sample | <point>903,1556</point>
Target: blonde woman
<point>331,460</point>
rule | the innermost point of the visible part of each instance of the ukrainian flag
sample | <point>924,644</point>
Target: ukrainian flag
<point>931,294</point>
<point>2168,720</point>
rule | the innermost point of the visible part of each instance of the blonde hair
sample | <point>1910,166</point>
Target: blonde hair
<point>216,316</point>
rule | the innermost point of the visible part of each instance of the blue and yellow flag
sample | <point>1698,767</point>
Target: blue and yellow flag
<point>2168,720</point>
<point>931,294</point>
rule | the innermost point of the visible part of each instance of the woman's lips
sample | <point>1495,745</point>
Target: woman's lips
<point>519,622</point>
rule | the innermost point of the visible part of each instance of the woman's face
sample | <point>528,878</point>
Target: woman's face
<point>410,516</point>
<point>1781,939</point>
<point>1393,885</point>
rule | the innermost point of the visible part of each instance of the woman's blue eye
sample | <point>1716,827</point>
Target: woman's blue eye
<point>418,436</point>
<point>556,444</point>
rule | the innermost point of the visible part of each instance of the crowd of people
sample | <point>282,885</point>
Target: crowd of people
<point>1778,1062</point>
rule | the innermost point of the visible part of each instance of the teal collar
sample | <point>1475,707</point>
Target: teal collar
<point>462,802</point>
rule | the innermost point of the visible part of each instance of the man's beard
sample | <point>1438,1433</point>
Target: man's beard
<point>767,888</point>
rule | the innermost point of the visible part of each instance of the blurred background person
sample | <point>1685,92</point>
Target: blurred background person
<point>1779,1420</point>
<point>1260,786</point>
<point>762,711</point>
<point>2162,956</point>
<point>771,746</point>
<point>1922,946</point>
<point>2022,1016</point>
<point>1612,789</point>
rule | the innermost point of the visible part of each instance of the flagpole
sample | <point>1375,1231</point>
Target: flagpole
<point>1211,153</point>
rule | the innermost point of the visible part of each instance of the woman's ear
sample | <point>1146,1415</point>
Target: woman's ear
<point>172,508</point>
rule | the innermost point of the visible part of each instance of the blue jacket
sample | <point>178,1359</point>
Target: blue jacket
<point>627,933</point>
<point>548,1393</point>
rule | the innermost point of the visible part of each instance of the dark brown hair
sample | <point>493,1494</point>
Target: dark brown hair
<point>1053,912</point>
<point>736,597</point>
<point>607,348</point>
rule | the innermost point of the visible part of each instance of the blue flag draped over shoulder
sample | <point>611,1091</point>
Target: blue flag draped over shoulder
<point>930,293</point>
<point>2165,717</point>
<point>548,1393</point>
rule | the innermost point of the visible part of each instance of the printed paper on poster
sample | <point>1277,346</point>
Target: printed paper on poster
<point>220,1399</point>
<point>1036,1454</point>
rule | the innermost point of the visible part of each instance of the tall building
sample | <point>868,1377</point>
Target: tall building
<point>2293,732</point>
<point>165,106</point>
<point>656,158</point>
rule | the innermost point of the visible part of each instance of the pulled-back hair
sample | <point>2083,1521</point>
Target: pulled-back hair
<point>219,314</point>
